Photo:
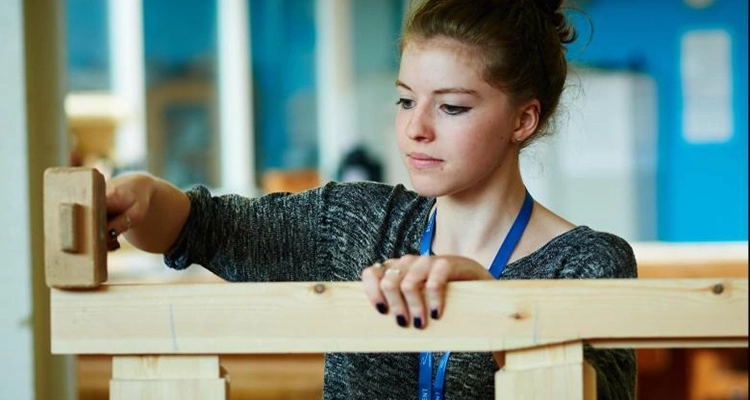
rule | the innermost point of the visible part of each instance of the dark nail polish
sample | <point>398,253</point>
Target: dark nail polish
<point>382,308</point>
<point>434,314</point>
<point>401,320</point>
<point>418,322</point>
<point>112,234</point>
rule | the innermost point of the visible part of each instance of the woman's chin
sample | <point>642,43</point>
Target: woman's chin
<point>428,189</point>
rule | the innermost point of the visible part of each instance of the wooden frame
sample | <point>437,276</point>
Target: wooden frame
<point>154,330</point>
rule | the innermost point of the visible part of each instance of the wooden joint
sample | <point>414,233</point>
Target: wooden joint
<point>69,214</point>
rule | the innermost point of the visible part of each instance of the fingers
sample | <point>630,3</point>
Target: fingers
<point>435,287</point>
<point>371,277</point>
<point>396,287</point>
<point>118,200</point>
<point>412,286</point>
<point>116,226</point>
<point>120,205</point>
<point>390,287</point>
<point>120,223</point>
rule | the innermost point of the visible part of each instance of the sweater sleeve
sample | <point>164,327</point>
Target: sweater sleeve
<point>270,238</point>
<point>324,234</point>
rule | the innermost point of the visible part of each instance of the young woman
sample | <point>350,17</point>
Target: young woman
<point>478,81</point>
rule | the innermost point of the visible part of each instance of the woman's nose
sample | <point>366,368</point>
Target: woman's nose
<point>420,126</point>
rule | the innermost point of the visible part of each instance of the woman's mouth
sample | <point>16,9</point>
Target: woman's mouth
<point>422,161</point>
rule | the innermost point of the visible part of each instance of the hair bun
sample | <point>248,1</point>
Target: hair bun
<point>553,10</point>
<point>550,7</point>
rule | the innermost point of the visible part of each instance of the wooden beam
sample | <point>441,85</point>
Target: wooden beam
<point>692,260</point>
<point>671,343</point>
<point>309,317</point>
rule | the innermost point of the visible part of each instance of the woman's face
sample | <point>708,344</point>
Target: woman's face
<point>454,129</point>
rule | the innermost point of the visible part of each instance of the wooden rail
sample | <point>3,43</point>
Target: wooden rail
<point>166,338</point>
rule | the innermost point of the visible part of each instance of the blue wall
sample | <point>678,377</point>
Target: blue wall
<point>702,188</point>
<point>86,41</point>
<point>180,39</point>
<point>283,68</point>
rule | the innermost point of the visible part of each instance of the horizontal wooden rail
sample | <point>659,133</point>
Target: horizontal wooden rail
<point>692,259</point>
<point>326,317</point>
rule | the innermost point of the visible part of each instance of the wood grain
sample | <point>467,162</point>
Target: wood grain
<point>309,317</point>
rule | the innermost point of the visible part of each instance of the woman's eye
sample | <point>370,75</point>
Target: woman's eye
<point>455,110</point>
<point>405,103</point>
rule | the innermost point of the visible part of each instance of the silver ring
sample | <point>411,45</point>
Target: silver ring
<point>378,265</point>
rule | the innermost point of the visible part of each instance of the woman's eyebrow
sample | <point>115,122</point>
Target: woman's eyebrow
<point>442,91</point>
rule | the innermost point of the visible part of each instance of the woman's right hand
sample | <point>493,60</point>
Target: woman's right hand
<point>148,211</point>
<point>127,200</point>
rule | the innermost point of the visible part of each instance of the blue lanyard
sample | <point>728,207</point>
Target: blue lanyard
<point>496,269</point>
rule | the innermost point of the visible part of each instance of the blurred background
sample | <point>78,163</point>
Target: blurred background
<point>257,96</point>
<point>242,95</point>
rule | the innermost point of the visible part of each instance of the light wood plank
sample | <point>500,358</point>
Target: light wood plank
<point>308,317</point>
<point>671,343</point>
<point>691,260</point>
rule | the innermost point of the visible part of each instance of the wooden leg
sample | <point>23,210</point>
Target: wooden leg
<point>546,372</point>
<point>168,377</point>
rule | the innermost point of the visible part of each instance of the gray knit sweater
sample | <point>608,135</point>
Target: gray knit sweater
<point>332,232</point>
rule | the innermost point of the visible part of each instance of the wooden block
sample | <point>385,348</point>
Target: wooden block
<point>545,356</point>
<point>168,377</point>
<point>564,382</point>
<point>182,389</point>
<point>546,372</point>
<point>165,367</point>
<point>75,219</point>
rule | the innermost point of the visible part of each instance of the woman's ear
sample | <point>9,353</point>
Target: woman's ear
<point>527,121</point>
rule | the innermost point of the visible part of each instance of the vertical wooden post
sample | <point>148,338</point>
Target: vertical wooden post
<point>184,377</point>
<point>546,372</point>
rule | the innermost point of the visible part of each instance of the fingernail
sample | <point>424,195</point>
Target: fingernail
<point>434,314</point>
<point>401,320</point>
<point>112,234</point>
<point>382,308</point>
<point>418,322</point>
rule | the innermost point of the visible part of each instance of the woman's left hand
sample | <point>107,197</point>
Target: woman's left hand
<point>413,287</point>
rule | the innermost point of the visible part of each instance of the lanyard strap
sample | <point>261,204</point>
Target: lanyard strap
<point>496,269</point>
